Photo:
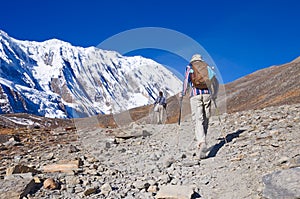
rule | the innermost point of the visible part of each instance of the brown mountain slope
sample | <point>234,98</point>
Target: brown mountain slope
<point>276,85</point>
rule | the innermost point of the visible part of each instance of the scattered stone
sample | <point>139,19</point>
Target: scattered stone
<point>73,180</point>
<point>90,191</point>
<point>152,188</point>
<point>107,145</point>
<point>37,180</point>
<point>175,192</point>
<point>73,149</point>
<point>164,179</point>
<point>139,184</point>
<point>167,163</point>
<point>68,167</point>
<point>3,148</point>
<point>50,183</point>
<point>70,128</point>
<point>20,169</point>
<point>106,189</point>
<point>4,138</point>
<point>12,142</point>
<point>238,158</point>
<point>19,175</point>
<point>17,158</point>
<point>145,133</point>
<point>283,160</point>
<point>48,156</point>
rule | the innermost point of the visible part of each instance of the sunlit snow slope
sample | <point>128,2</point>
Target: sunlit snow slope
<point>55,79</point>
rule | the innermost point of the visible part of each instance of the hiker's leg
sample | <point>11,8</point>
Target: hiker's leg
<point>161,112</point>
<point>193,113</point>
<point>197,115</point>
<point>206,111</point>
<point>206,102</point>
<point>157,116</point>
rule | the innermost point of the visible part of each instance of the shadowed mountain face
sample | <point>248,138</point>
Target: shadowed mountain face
<point>273,86</point>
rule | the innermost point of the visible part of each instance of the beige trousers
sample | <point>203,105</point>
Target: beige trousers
<point>200,107</point>
<point>160,113</point>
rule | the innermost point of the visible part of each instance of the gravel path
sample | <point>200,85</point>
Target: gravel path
<point>158,161</point>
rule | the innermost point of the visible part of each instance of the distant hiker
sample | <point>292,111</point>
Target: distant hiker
<point>159,105</point>
<point>196,77</point>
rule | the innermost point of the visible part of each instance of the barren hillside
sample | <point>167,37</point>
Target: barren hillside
<point>276,85</point>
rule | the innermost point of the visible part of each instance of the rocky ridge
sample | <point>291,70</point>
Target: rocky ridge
<point>259,158</point>
<point>272,86</point>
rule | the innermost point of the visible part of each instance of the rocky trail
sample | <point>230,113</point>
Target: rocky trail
<point>259,158</point>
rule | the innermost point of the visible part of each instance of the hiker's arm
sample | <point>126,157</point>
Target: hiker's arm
<point>164,101</point>
<point>155,102</point>
<point>186,81</point>
<point>214,87</point>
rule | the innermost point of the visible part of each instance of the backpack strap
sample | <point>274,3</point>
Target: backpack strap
<point>211,73</point>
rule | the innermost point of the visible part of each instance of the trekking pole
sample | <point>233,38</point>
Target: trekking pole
<point>179,120</point>
<point>180,107</point>
<point>166,115</point>
<point>153,112</point>
<point>218,114</point>
<point>153,115</point>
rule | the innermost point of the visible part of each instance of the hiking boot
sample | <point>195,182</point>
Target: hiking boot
<point>202,155</point>
<point>203,150</point>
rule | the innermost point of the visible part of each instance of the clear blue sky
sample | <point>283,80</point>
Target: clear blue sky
<point>240,36</point>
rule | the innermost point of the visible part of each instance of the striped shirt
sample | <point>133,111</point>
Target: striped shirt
<point>160,100</point>
<point>188,83</point>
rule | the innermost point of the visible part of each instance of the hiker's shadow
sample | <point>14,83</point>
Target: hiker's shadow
<point>214,149</point>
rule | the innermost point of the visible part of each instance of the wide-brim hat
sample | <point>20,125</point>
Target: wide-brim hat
<point>196,57</point>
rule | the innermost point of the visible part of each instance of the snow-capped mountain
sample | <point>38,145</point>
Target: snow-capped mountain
<point>55,79</point>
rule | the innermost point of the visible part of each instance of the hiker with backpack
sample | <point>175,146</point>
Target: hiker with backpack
<point>197,77</point>
<point>159,106</point>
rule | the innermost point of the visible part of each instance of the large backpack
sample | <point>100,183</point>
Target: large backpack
<point>199,77</point>
<point>203,77</point>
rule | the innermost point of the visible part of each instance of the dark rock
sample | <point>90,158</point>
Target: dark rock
<point>282,184</point>
<point>73,149</point>
<point>16,187</point>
